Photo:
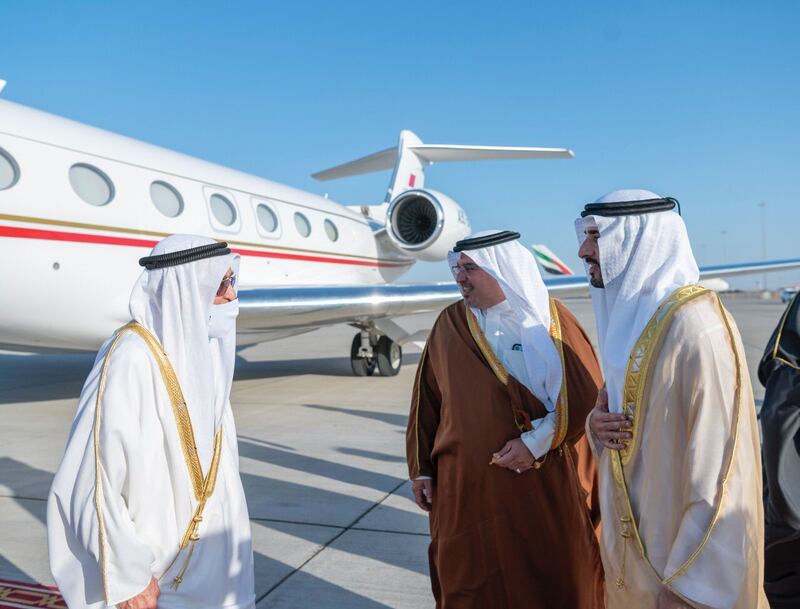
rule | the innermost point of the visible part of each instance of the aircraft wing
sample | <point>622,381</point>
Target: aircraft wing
<point>263,310</point>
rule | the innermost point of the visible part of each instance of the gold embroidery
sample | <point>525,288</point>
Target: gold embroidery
<point>778,339</point>
<point>416,398</point>
<point>101,529</point>
<point>488,353</point>
<point>203,489</point>
<point>638,367</point>
<point>502,374</point>
<point>641,357</point>
<point>179,409</point>
<point>191,535</point>
<point>562,403</point>
<point>735,427</point>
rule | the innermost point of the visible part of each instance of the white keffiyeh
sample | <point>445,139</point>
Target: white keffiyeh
<point>643,259</point>
<point>515,269</point>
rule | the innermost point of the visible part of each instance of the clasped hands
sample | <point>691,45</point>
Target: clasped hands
<point>611,429</point>
<point>514,456</point>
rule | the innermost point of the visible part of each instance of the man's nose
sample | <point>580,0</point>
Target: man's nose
<point>461,277</point>
<point>584,249</point>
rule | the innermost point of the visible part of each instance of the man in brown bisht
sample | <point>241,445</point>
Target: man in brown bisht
<point>502,391</point>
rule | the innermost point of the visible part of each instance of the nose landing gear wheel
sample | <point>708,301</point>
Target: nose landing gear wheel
<point>389,356</point>
<point>362,366</point>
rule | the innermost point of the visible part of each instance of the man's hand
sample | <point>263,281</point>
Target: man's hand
<point>423,493</point>
<point>607,427</point>
<point>514,456</point>
<point>667,600</point>
<point>147,599</point>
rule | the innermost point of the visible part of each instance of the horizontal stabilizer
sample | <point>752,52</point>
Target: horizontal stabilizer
<point>385,159</point>
<point>437,153</point>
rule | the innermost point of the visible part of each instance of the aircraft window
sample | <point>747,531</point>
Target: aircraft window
<point>267,218</point>
<point>223,210</point>
<point>166,199</point>
<point>9,170</point>
<point>331,230</point>
<point>302,224</point>
<point>91,184</point>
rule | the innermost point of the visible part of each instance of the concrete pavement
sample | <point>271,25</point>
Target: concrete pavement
<point>322,459</point>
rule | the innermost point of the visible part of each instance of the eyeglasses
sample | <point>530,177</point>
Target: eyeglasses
<point>228,282</point>
<point>466,268</point>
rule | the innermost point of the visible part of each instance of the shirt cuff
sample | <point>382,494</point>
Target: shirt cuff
<point>423,478</point>
<point>540,438</point>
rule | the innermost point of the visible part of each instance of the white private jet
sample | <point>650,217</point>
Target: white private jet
<point>79,206</point>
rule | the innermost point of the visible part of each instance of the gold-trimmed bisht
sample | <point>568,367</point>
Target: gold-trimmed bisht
<point>417,383</point>
<point>203,486</point>
<point>775,348</point>
<point>641,357</point>
<point>502,374</point>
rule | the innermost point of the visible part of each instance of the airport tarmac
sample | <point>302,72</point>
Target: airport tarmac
<point>322,459</point>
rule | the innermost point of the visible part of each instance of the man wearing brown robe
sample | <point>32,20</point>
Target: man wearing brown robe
<point>502,391</point>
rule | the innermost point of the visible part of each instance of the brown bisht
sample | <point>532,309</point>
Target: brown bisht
<point>501,539</point>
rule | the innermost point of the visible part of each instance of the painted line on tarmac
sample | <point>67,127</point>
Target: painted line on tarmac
<point>327,544</point>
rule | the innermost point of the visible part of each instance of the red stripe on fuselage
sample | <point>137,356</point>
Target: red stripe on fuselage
<point>50,235</point>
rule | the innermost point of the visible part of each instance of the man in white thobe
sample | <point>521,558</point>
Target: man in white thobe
<point>147,507</point>
<point>676,436</point>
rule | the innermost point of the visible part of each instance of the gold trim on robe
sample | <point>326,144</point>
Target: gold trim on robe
<point>415,404</point>
<point>502,374</point>
<point>181,412</point>
<point>562,404</point>
<point>641,357</point>
<point>775,355</point>
<point>203,486</point>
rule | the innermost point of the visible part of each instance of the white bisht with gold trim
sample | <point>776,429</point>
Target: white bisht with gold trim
<point>149,485</point>
<point>681,502</point>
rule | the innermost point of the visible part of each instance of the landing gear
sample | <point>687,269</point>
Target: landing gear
<point>369,352</point>
<point>362,360</point>
<point>389,355</point>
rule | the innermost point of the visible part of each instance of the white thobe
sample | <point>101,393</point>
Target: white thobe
<point>502,330</point>
<point>146,499</point>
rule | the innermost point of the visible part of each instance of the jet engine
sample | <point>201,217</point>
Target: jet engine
<point>425,224</point>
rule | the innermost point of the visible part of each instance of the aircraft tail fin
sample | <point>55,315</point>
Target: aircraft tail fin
<point>411,156</point>
<point>548,261</point>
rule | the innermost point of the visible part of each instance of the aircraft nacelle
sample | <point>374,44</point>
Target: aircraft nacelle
<point>425,224</point>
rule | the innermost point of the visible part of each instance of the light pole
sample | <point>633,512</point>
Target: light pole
<point>763,207</point>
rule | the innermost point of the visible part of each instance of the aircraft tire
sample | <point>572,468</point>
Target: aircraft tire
<point>389,356</point>
<point>362,366</point>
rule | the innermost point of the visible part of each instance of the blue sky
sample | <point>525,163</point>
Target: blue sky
<point>694,100</point>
